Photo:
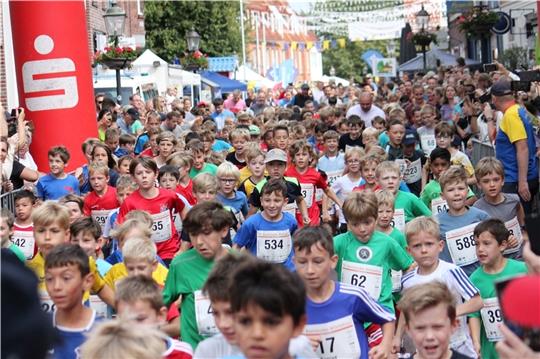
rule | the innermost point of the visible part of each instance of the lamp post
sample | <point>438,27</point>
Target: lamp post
<point>332,71</point>
<point>192,39</point>
<point>115,18</point>
<point>391,48</point>
<point>422,18</point>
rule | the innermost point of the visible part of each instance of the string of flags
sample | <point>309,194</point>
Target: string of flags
<point>320,45</point>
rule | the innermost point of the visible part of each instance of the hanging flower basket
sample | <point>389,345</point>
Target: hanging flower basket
<point>193,61</point>
<point>116,58</point>
<point>478,22</point>
<point>422,38</point>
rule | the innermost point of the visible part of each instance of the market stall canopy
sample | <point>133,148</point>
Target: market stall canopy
<point>224,83</point>
<point>337,80</point>
<point>445,58</point>
<point>252,77</point>
<point>147,59</point>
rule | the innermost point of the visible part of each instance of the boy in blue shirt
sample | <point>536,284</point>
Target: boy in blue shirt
<point>68,277</point>
<point>457,224</point>
<point>336,311</point>
<point>57,183</point>
<point>267,234</point>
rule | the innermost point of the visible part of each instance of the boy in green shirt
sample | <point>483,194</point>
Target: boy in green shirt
<point>366,256</point>
<point>491,238</point>
<point>207,224</point>
<point>439,161</point>
<point>407,205</point>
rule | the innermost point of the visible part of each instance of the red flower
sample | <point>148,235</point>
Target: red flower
<point>197,54</point>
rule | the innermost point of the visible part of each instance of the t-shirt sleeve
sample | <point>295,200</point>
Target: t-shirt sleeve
<point>367,309</point>
<point>245,207</point>
<point>513,127</point>
<point>40,189</point>
<point>420,208</point>
<point>171,291</point>
<point>399,258</point>
<point>294,191</point>
<point>245,235</point>
<point>75,185</point>
<point>463,284</point>
<point>255,198</point>
<point>99,283</point>
<point>86,206</point>
<point>322,181</point>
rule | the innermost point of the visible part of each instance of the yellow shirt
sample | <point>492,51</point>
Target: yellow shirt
<point>37,264</point>
<point>119,271</point>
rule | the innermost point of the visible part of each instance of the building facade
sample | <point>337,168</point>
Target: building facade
<point>279,45</point>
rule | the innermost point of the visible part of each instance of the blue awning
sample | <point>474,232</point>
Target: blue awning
<point>226,84</point>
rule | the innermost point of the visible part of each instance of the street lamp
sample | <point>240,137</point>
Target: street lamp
<point>115,18</point>
<point>332,71</point>
<point>193,39</point>
<point>422,18</point>
<point>391,48</point>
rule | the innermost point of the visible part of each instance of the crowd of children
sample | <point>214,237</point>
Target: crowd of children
<point>318,239</point>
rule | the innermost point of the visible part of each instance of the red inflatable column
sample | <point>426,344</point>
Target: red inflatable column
<point>54,76</point>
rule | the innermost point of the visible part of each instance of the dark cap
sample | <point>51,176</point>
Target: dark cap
<point>133,113</point>
<point>501,88</point>
<point>410,137</point>
<point>304,87</point>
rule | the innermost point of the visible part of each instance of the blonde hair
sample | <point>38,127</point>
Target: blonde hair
<point>422,224</point>
<point>387,166</point>
<point>125,182</point>
<point>227,169</point>
<point>240,133</point>
<point>427,108</point>
<point>204,182</point>
<point>139,249</point>
<point>180,159</point>
<point>122,339</point>
<point>140,216</point>
<point>488,165</point>
<point>424,296</point>
<point>51,212</point>
<point>370,131</point>
<point>360,205</point>
<point>253,151</point>
<point>122,230</point>
<point>453,174</point>
<point>354,151</point>
<point>96,167</point>
<point>386,197</point>
<point>167,136</point>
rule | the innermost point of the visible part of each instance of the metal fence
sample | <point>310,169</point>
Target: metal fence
<point>481,150</point>
<point>7,200</point>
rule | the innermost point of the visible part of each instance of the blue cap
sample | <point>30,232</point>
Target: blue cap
<point>410,137</point>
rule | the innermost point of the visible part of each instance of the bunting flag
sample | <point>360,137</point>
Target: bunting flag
<point>342,43</point>
<point>326,45</point>
<point>301,46</point>
<point>333,44</point>
<point>309,45</point>
<point>286,46</point>
<point>294,44</point>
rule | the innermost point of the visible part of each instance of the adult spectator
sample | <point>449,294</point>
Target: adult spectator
<point>515,145</point>
<point>300,98</point>
<point>129,123</point>
<point>99,101</point>
<point>318,91</point>
<point>220,114</point>
<point>173,123</point>
<point>417,101</point>
<point>259,104</point>
<point>366,110</point>
<point>235,103</point>
<point>136,101</point>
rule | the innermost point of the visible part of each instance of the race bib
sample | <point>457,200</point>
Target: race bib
<point>398,221</point>
<point>515,229</point>
<point>333,176</point>
<point>318,195</point>
<point>290,208</point>
<point>25,241</point>
<point>492,318</point>
<point>413,172</point>
<point>307,192</point>
<point>461,245</point>
<point>396,280</point>
<point>402,165</point>
<point>274,246</point>
<point>177,222</point>
<point>161,226</point>
<point>100,217</point>
<point>366,276</point>
<point>337,339</point>
<point>203,315</point>
<point>428,143</point>
<point>47,305</point>
<point>439,205</point>
<point>99,306</point>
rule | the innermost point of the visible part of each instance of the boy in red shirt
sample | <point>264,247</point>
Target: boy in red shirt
<point>102,199</point>
<point>310,179</point>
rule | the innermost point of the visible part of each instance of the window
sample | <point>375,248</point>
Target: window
<point>140,7</point>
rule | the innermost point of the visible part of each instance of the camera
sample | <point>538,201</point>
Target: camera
<point>529,76</point>
<point>490,67</point>
<point>485,97</point>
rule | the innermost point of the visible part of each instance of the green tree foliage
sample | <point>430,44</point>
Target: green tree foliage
<point>217,22</point>
<point>515,58</point>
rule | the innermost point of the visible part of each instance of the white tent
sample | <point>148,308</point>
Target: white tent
<point>337,80</point>
<point>246,74</point>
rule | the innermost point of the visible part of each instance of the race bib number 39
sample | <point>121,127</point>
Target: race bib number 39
<point>274,246</point>
<point>461,245</point>
<point>203,315</point>
<point>161,226</point>
<point>491,318</point>
<point>366,276</point>
<point>337,339</point>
